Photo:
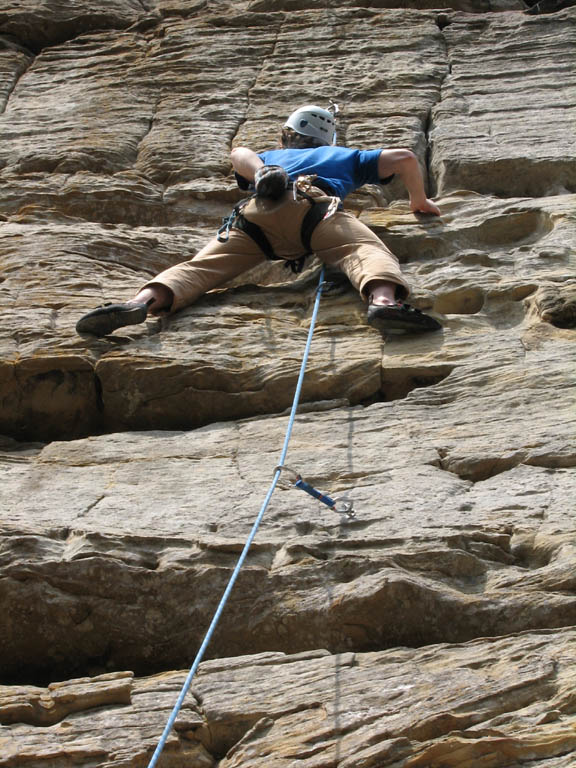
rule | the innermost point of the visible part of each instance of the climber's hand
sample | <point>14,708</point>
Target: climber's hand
<point>425,206</point>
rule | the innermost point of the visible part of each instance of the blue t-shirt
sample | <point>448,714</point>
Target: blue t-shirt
<point>342,169</point>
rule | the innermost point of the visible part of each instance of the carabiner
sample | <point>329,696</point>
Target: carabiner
<point>294,476</point>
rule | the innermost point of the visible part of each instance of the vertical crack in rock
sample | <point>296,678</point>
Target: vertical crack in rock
<point>147,132</point>
<point>146,7</point>
<point>252,85</point>
<point>26,59</point>
<point>99,393</point>
<point>236,451</point>
<point>143,26</point>
<point>441,22</point>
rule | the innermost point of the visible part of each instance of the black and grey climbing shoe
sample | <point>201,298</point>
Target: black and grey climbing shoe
<point>400,318</point>
<point>271,181</point>
<point>103,320</point>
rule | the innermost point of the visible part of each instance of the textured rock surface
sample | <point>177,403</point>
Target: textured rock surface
<point>436,628</point>
<point>512,134</point>
<point>493,702</point>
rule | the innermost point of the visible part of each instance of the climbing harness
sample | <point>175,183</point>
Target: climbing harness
<point>317,212</point>
<point>249,540</point>
<point>341,505</point>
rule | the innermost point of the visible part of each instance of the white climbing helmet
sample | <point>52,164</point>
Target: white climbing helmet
<point>313,121</point>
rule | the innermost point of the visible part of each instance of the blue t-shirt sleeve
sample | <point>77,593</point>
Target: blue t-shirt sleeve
<point>367,167</point>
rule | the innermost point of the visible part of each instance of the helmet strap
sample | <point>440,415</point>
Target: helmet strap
<point>334,108</point>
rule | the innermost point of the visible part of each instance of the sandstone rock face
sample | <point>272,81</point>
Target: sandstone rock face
<point>497,701</point>
<point>511,135</point>
<point>436,627</point>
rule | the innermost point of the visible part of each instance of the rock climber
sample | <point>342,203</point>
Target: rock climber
<point>295,210</point>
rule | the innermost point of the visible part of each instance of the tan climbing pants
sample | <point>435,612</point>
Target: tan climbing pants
<point>339,241</point>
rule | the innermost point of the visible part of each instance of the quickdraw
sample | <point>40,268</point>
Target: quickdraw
<point>228,222</point>
<point>341,505</point>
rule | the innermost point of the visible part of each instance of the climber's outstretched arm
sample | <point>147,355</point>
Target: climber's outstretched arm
<point>403,163</point>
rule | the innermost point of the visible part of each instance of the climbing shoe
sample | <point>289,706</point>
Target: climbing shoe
<point>105,319</point>
<point>271,181</point>
<point>400,318</point>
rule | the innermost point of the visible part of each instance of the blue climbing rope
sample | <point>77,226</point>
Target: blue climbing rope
<point>249,540</point>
